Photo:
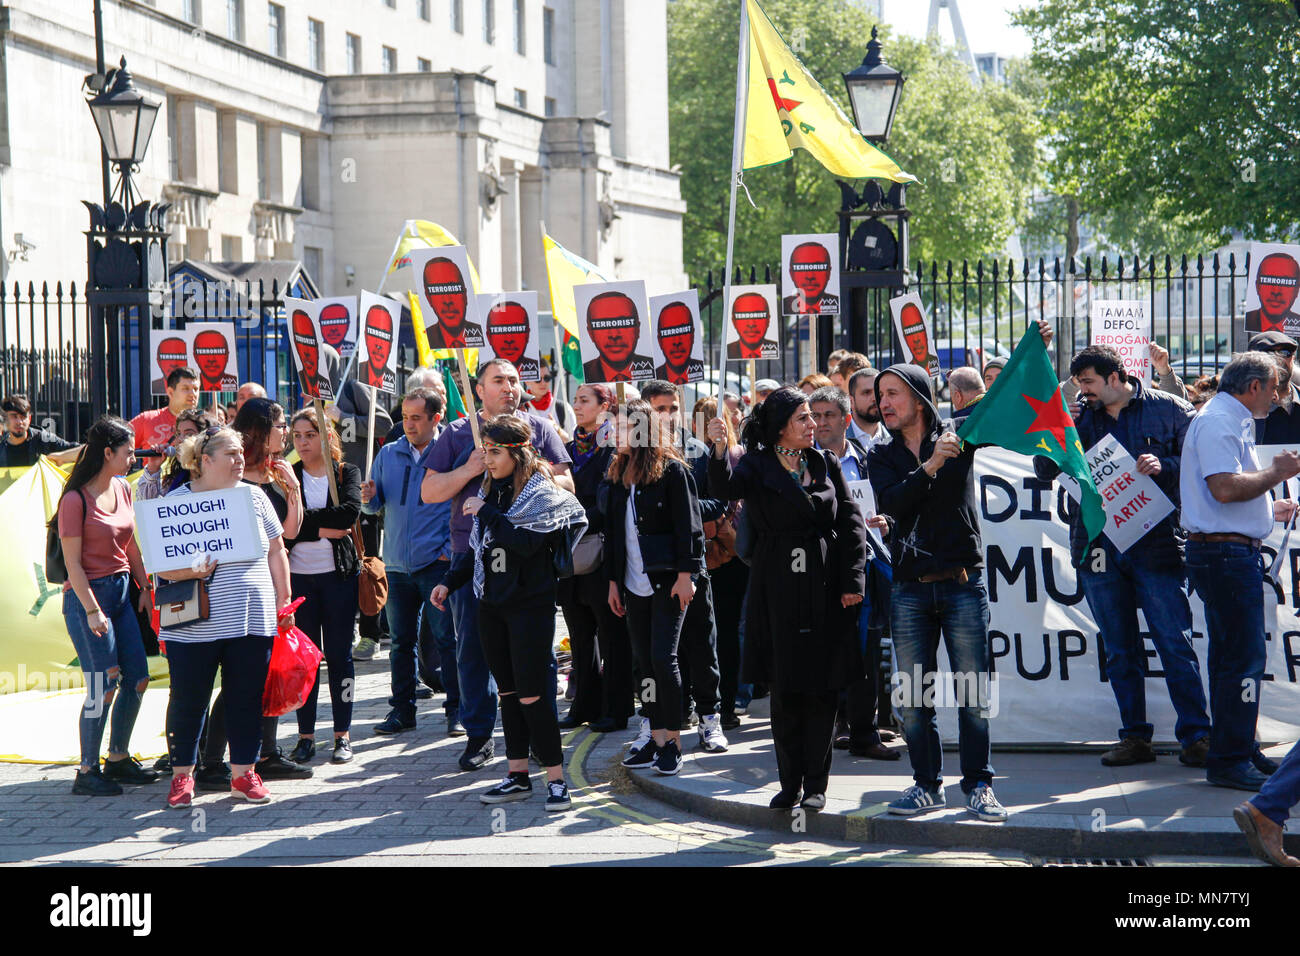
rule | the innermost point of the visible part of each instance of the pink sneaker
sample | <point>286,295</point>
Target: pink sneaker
<point>250,787</point>
<point>181,794</point>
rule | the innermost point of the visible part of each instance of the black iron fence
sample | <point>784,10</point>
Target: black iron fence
<point>978,310</point>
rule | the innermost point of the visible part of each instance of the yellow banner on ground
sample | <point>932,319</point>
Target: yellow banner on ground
<point>787,108</point>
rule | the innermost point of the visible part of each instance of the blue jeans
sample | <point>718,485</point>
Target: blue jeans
<point>408,594</point>
<point>120,650</point>
<point>1229,578</point>
<point>1114,595</point>
<point>917,615</point>
<point>1281,791</point>
<point>744,692</point>
<point>437,645</point>
<point>478,689</point>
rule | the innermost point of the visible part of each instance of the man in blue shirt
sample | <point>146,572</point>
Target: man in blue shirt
<point>416,554</point>
<point>453,473</point>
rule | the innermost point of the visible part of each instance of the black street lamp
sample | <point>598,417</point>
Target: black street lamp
<point>874,90</point>
<point>126,247</point>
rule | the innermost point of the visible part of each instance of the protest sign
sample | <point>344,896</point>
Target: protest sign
<point>304,330</point>
<point>338,324</point>
<point>510,326</point>
<point>616,339</point>
<point>169,349</point>
<point>912,326</point>
<point>446,293</point>
<point>862,494</point>
<point>749,331</point>
<point>678,338</point>
<point>812,264</point>
<point>1271,291</point>
<point>377,345</point>
<point>1047,656</point>
<point>178,531</point>
<point>1134,503</point>
<point>1125,325</point>
<point>213,346</point>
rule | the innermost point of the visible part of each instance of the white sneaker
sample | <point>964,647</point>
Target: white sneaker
<point>365,650</point>
<point>642,738</point>
<point>712,739</point>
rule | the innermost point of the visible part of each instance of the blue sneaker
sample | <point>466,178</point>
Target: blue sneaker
<point>985,805</point>
<point>916,800</point>
<point>1241,777</point>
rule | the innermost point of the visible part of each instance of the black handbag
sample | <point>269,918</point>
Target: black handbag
<point>562,556</point>
<point>56,569</point>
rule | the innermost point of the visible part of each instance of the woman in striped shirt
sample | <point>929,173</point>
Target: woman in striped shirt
<point>243,599</point>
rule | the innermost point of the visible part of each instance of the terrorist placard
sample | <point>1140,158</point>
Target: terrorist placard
<point>377,351</point>
<point>1125,325</point>
<point>213,346</point>
<point>510,323</point>
<point>169,350</point>
<point>338,324</point>
<point>678,339</point>
<point>447,298</point>
<point>750,331</point>
<point>177,532</point>
<point>813,266</point>
<point>912,326</point>
<point>1049,681</point>
<point>1271,291</point>
<point>616,340</point>
<point>304,329</point>
<point>1134,502</point>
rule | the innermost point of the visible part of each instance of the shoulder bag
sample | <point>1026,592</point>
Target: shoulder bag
<point>372,588</point>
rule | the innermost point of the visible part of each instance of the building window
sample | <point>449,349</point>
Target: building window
<point>235,20</point>
<point>489,22</point>
<point>422,9</point>
<point>227,153</point>
<point>275,29</point>
<point>309,149</point>
<point>191,12</point>
<point>316,44</point>
<point>549,105</point>
<point>232,248</point>
<point>548,35</point>
<point>354,53</point>
<point>173,140</point>
<point>311,262</point>
<point>423,65</point>
<point>458,16</point>
<point>261,162</point>
<point>389,59</point>
<point>521,35</point>
<point>521,99</point>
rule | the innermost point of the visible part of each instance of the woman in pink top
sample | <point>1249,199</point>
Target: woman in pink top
<point>96,523</point>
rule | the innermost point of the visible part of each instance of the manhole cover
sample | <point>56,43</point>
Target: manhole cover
<point>1091,861</point>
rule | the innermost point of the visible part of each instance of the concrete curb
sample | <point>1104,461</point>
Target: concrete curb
<point>1049,835</point>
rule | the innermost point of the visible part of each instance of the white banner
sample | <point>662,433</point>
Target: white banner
<point>1046,656</point>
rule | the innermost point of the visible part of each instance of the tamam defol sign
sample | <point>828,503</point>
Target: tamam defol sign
<point>177,532</point>
<point>1134,502</point>
<point>1125,325</point>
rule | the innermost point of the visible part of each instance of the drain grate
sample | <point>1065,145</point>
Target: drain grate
<point>1092,861</point>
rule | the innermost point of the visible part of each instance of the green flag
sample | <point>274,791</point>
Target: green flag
<point>1024,412</point>
<point>571,356</point>
<point>455,405</point>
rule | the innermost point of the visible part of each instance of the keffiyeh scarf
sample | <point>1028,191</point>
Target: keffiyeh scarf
<point>541,506</point>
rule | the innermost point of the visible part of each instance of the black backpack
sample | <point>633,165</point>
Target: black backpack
<point>56,569</point>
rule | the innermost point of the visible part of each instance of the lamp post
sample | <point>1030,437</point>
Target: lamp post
<point>126,245</point>
<point>873,222</point>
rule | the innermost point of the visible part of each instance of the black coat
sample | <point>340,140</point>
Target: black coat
<point>668,524</point>
<point>340,517</point>
<point>810,547</point>
<point>593,587</point>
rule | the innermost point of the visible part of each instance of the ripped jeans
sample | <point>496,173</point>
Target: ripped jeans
<point>112,663</point>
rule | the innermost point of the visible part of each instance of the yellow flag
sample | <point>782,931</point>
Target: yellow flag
<point>422,234</point>
<point>564,270</point>
<point>428,355</point>
<point>788,108</point>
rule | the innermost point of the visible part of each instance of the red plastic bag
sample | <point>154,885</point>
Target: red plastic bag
<point>295,661</point>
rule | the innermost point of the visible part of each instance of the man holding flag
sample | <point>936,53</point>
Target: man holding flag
<point>924,484</point>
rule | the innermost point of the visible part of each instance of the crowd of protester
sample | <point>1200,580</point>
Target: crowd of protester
<point>700,561</point>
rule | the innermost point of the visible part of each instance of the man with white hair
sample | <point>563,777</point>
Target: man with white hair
<point>965,388</point>
<point>246,391</point>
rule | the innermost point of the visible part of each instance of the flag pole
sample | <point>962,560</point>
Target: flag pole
<point>737,152</point>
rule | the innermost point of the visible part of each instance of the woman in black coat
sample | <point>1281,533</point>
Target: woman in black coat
<point>807,579</point>
<point>324,569</point>
<point>654,549</point>
<point>596,634</point>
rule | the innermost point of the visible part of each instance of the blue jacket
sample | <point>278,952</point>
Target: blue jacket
<point>415,534</point>
<point>1152,423</point>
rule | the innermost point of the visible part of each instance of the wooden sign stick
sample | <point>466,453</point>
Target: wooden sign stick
<point>468,396</point>
<point>322,426</point>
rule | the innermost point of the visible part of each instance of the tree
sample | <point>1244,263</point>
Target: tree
<point>1172,122</point>
<point>974,147</point>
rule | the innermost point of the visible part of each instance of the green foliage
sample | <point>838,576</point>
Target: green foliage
<point>1173,122</point>
<point>973,146</point>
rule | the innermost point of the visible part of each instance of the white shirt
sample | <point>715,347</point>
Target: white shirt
<point>313,557</point>
<point>634,576</point>
<point>1221,440</point>
<point>865,440</point>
